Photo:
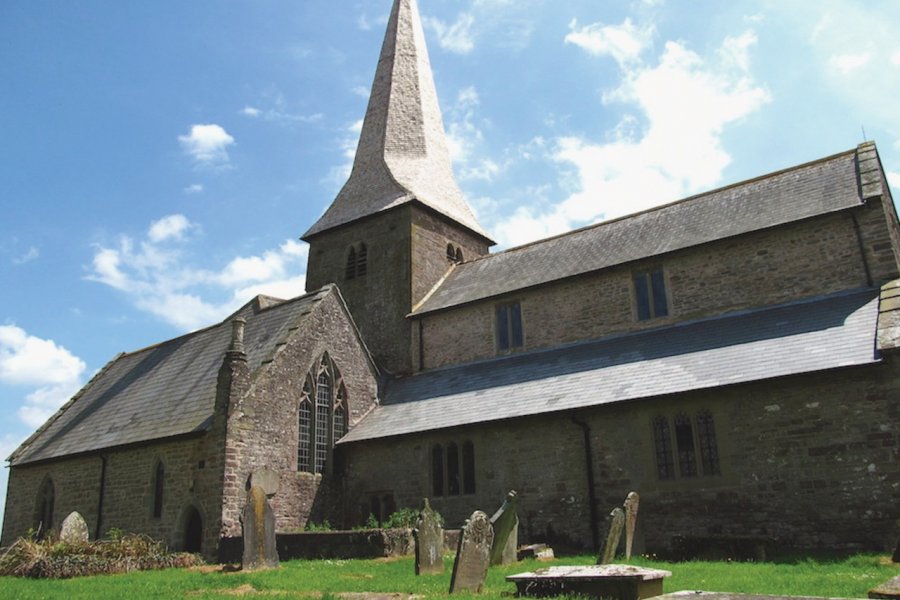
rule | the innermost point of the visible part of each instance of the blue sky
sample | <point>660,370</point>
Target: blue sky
<point>160,159</point>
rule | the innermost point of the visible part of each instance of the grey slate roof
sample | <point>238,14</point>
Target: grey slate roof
<point>825,186</point>
<point>402,154</point>
<point>165,390</point>
<point>802,337</point>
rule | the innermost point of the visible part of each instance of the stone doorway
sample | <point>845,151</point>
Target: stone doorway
<point>193,530</point>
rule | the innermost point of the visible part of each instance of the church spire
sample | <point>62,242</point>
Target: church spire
<point>402,154</point>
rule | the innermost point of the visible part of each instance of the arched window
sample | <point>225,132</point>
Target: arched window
<point>304,419</point>
<point>451,253</point>
<point>159,480</point>
<point>322,416</point>
<point>437,470</point>
<point>468,459</point>
<point>459,255</point>
<point>662,438</point>
<point>45,500</point>
<point>684,441</point>
<point>350,271</point>
<point>709,449</point>
<point>453,469</point>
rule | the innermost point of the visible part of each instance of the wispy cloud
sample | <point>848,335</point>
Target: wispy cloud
<point>895,58</point>
<point>625,42</point>
<point>669,148</point>
<point>52,372</point>
<point>275,114</point>
<point>31,254</point>
<point>157,274</point>
<point>454,37</point>
<point>207,144</point>
<point>848,63</point>
<point>194,188</point>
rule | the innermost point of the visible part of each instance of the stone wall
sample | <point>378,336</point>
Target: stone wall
<point>792,262</point>
<point>192,478</point>
<point>813,461</point>
<point>263,425</point>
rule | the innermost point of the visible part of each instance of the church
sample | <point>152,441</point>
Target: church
<point>732,357</point>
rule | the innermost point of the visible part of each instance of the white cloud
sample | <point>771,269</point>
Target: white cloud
<point>848,63</point>
<point>32,254</point>
<point>456,37</point>
<point>348,141</point>
<point>194,188</point>
<point>278,113</point>
<point>894,180</point>
<point>671,149</point>
<point>250,111</point>
<point>207,144</point>
<point>895,58</point>
<point>361,91</point>
<point>158,276</point>
<point>170,227</point>
<point>53,373</point>
<point>625,42</point>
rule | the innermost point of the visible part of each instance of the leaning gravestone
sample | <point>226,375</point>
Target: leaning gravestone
<point>429,542</point>
<point>506,532</point>
<point>473,555</point>
<point>614,533</point>
<point>258,524</point>
<point>631,511</point>
<point>74,529</point>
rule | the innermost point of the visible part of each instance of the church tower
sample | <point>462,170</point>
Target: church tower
<point>400,222</point>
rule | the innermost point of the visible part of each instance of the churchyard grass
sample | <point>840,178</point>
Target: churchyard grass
<point>851,577</point>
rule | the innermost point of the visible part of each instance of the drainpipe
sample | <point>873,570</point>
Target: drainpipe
<point>100,499</point>
<point>592,499</point>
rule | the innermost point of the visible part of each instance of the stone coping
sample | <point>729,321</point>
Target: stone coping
<point>889,590</point>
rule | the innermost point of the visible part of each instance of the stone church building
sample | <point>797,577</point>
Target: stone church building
<point>731,356</point>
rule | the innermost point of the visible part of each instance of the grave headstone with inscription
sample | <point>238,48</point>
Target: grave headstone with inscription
<point>473,555</point>
<point>429,542</point>
<point>631,512</point>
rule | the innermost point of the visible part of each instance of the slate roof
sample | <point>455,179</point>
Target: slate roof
<point>165,390</point>
<point>402,155</point>
<point>802,337</point>
<point>828,185</point>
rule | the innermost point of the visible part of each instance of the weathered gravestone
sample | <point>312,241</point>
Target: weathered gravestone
<point>74,529</point>
<point>631,511</point>
<point>258,524</point>
<point>506,532</point>
<point>616,522</point>
<point>473,554</point>
<point>429,542</point>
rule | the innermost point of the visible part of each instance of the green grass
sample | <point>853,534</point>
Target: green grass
<point>851,577</point>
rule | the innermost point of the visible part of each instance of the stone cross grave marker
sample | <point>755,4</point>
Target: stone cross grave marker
<point>616,522</point>
<point>506,531</point>
<point>74,529</point>
<point>258,525</point>
<point>631,511</point>
<point>429,542</point>
<point>473,555</point>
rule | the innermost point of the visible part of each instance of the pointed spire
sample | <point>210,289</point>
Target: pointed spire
<point>402,153</point>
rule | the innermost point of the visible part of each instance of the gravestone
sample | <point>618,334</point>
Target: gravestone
<point>506,532</point>
<point>74,529</point>
<point>429,542</point>
<point>267,479</point>
<point>473,555</point>
<point>631,511</point>
<point>616,522</point>
<point>258,525</point>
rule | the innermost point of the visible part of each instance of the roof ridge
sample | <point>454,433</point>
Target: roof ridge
<point>667,205</point>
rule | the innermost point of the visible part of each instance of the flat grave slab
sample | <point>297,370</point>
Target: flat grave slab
<point>889,590</point>
<point>621,582</point>
<point>689,595</point>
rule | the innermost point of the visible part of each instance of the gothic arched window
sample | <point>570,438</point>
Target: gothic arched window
<point>362,261</point>
<point>322,416</point>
